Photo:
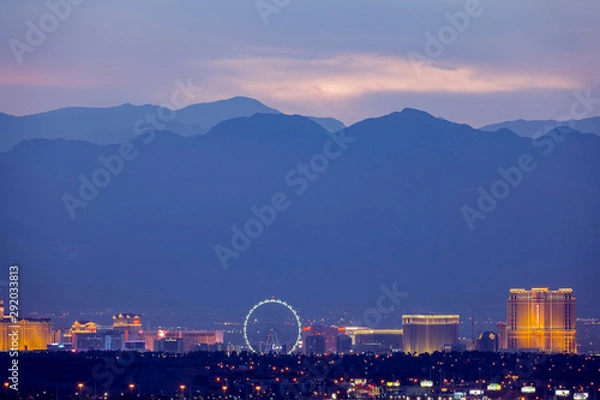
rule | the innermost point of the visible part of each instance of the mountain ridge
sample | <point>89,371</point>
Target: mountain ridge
<point>536,128</point>
<point>386,207</point>
<point>118,124</point>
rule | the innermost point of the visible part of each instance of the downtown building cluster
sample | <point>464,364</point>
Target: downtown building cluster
<point>127,333</point>
<point>124,334</point>
<point>538,320</point>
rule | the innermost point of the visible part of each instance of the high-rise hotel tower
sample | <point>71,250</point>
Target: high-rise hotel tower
<point>541,319</point>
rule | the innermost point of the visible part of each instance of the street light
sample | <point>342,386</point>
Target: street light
<point>182,387</point>
<point>79,387</point>
<point>131,386</point>
<point>224,391</point>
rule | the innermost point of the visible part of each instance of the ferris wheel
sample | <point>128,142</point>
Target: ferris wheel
<point>298,334</point>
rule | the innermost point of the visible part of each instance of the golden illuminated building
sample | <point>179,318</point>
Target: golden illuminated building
<point>351,331</point>
<point>2,315</point>
<point>25,334</point>
<point>541,319</point>
<point>130,324</point>
<point>84,327</point>
<point>428,333</point>
<point>127,320</point>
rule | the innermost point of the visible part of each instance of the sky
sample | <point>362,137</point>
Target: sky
<point>476,62</point>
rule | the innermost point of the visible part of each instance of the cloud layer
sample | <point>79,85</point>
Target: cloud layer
<point>348,59</point>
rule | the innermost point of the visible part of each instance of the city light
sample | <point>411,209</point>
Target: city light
<point>241,375</point>
<point>273,301</point>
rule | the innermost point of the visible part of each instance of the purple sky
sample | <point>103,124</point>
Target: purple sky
<point>347,59</point>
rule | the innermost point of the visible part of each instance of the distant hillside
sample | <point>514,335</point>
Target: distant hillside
<point>537,128</point>
<point>379,203</point>
<point>119,124</point>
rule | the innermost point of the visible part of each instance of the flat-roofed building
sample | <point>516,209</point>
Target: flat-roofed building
<point>191,339</point>
<point>25,334</point>
<point>330,333</point>
<point>343,344</point>
<point>375,340</point>
<point>169,345</point>
<point>87,341</point>
<point>429,333</point>
<point>111,340</point>
<point>315,344</point>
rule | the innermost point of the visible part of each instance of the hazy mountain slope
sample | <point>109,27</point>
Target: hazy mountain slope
<point>120,124</point>
<point>537,128</point>
<point>330,124</point>
<point>96,125</point>
<point>210,114</point>
<point>386,209</point>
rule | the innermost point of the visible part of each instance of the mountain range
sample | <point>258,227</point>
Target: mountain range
<point>119,124</point>
<point>536,128</point>
<point>452,215</point>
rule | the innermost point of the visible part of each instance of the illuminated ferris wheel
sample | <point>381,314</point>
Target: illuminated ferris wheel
<point>271,342</point>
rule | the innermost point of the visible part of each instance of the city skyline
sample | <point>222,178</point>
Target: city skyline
<point>536,320</point>
<point>299,200</point>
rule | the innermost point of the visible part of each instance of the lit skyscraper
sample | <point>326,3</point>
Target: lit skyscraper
<point>428,333</point>
<point>25,333</point>
<point>541,319</point>
<point>33,334</point>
